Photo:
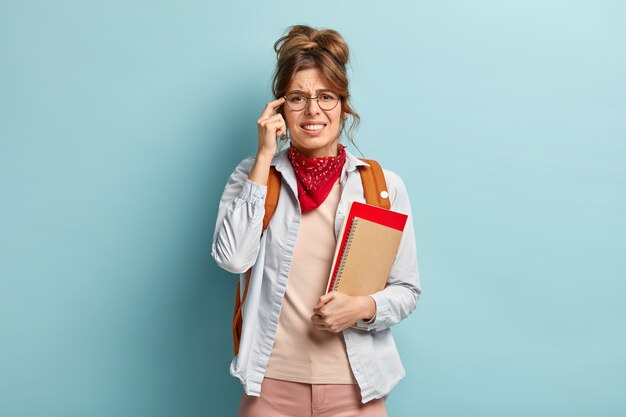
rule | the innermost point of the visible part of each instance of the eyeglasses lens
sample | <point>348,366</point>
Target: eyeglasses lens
<point>298,101</point>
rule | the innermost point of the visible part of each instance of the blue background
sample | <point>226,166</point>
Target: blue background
<point>122,120</point>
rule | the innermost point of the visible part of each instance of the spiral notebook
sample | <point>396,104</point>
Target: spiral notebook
<point>368,244</point>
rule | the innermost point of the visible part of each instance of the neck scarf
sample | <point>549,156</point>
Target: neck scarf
<point>315,176</point>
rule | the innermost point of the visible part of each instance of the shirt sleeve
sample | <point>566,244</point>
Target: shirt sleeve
<point>236,239</point>
<point>399,298</point>
<point>372,320</point>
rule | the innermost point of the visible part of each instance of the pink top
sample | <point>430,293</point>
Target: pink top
<point>302,353</point>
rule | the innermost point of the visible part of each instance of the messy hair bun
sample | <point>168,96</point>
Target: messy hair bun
<point>303,38</point>
<point>304,47</point>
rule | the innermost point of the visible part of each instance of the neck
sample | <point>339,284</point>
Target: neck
<point>332,150</point>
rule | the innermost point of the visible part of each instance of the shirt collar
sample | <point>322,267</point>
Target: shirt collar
<point>282,164</point>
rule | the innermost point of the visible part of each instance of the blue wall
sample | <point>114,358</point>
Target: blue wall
<point>121,122</point>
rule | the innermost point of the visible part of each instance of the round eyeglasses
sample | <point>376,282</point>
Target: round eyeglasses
<point>297,101</point>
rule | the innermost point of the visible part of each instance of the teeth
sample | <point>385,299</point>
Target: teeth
<point>313,127</point>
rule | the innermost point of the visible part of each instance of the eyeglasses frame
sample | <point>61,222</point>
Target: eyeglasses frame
<point>313,98</point>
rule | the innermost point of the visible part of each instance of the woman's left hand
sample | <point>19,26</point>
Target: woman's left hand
<point>337,311</point>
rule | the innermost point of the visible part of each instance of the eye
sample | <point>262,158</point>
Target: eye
<point>327,97</point>
<point>296,98</point>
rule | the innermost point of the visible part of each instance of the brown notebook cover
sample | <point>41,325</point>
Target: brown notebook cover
<point>367,258</point>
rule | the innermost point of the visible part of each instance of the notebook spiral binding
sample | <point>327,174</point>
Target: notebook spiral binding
<point>345,251</point>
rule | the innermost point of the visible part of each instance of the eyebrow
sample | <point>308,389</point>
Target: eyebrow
<point>316,91</point>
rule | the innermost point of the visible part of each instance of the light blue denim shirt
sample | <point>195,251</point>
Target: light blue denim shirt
<point>238,245</point>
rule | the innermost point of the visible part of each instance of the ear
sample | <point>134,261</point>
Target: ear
<point>343,117</point>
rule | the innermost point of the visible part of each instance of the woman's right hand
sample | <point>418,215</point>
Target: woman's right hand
<point>270,127</point>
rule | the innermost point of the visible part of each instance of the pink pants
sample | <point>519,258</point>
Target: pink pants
<point>293,399</point>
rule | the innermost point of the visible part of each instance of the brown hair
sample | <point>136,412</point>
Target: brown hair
<point>304,47</point>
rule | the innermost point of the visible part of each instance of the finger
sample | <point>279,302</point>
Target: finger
<point>320,303</point>
<point>322,311</point>
<point>319,322</point>
<point>324,299</point>
<point>320,325</point>
<point>327,328</point>
<point>274,118</point>
<point>270,107</point>
<point>275,123</point>
<point>275,127</point>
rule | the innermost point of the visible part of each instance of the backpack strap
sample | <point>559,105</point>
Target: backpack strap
<point>271,198</point>
<point>271,201</point>
<point>237,318</point>
<point>374,184</point>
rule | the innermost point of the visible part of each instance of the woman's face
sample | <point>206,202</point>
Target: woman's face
<point>314,131</point>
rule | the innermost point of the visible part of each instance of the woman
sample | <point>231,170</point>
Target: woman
<point>298,354</point>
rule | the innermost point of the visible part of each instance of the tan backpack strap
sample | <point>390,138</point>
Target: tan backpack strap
<point>271,198</point>
<point>237,315</point>
<point>374,184</point>
<point>271,201</point>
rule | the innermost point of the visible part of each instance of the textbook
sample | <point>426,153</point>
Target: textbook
<point>367,247</point>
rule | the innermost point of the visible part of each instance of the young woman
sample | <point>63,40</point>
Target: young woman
<point>298,355</point>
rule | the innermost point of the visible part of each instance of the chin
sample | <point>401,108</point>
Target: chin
<point>312,143</point>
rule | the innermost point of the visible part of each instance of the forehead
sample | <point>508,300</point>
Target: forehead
<point>310,80</point>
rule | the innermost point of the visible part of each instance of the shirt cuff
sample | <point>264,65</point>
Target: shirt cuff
<point>253,192</point>
<point>382,312</point>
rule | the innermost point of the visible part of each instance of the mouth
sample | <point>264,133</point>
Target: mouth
<point>313,128</point>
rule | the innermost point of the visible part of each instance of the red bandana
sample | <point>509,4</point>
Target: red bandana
<point>315,176</point>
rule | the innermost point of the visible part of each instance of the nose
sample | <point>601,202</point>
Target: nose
<point>313,107</point>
